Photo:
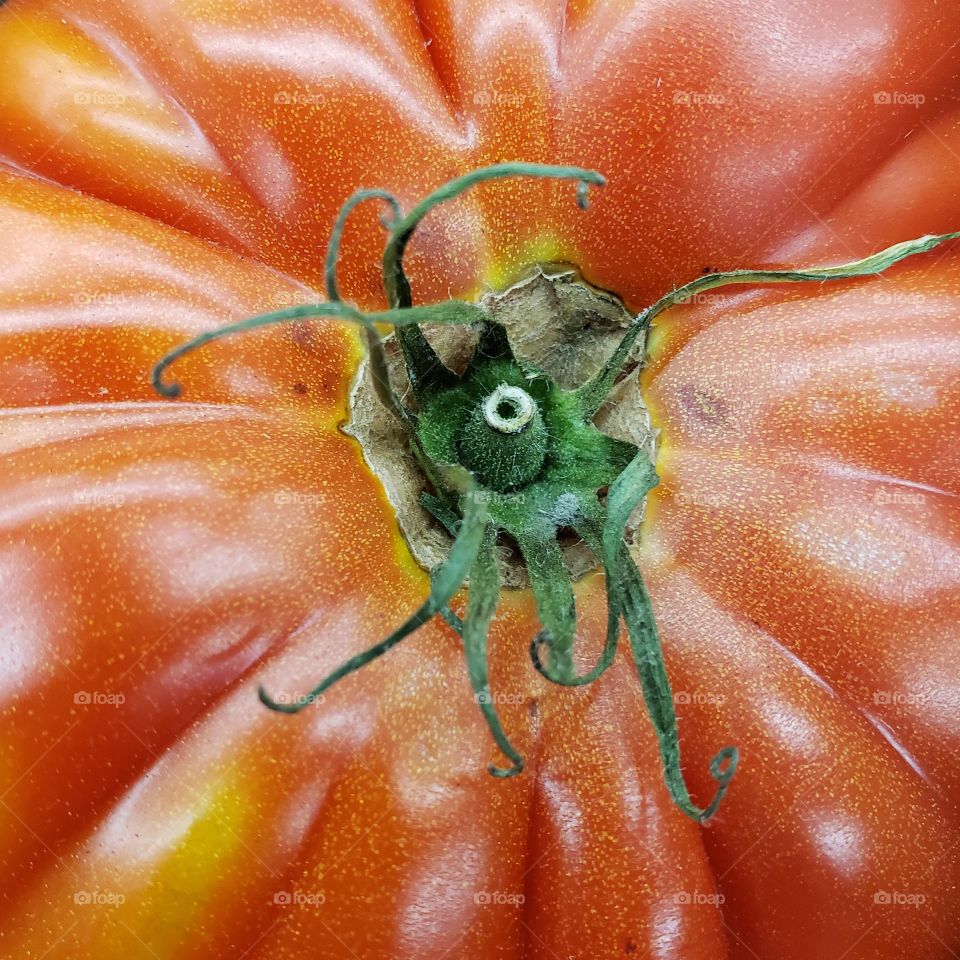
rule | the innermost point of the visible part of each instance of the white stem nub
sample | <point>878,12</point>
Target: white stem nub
<point>508,409</point>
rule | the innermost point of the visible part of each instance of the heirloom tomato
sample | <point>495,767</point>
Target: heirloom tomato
<point>171,166</point>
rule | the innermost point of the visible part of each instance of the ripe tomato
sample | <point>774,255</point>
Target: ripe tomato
<point>172,165</point>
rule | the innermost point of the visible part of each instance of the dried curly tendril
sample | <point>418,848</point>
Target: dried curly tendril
<point>506,451</point>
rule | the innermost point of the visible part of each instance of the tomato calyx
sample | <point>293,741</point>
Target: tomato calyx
<point>563,327</point>
<point>507,451</point>
<point>503,438</point>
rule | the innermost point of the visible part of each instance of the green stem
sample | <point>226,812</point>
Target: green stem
<point>378,358</point>
<point>444,583</point>
<point>648,658</point>
<point>553,596</point>
<point>395,281</point>
<point>427,372</point>
<point>454,622</point>
<point>637,479</point>
<point>589,527</point>
<point>593,393</point>
<point>449,312</point>
<point>481,606</point>
<point>632,600</point>
<point>451,520</point>
<point>336,234</point>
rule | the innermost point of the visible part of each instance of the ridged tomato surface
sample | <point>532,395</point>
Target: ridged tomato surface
<point>168,166</point>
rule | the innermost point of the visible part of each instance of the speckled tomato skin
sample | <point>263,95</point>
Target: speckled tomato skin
<point>167,166</point>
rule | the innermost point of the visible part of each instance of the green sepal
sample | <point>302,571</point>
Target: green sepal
<point>593,393</point>
<point>444,583</point>
<point>481,605</point>
<point>629,594</point>
<point>492,344</point>
<point>553,596</point>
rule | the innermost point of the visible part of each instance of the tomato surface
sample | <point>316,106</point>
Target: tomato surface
<point>168,166</point>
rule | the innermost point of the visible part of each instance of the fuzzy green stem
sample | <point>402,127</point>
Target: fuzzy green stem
<point>450,312</point>
<point>589,526</point>
<point>481,606</point>
<point>632,600</point>
<point>336,234</point>
<point>553,597</point>
<point>593,393</point>
<point>504,441</point>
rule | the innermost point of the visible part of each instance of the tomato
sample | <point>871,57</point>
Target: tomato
<point>169,166</point>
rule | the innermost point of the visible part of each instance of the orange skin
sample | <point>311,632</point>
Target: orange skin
<point>801,551</point>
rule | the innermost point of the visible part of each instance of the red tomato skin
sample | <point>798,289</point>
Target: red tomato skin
<point>168,166</point>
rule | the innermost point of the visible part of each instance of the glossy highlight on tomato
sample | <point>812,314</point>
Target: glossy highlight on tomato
<point>170,166</point>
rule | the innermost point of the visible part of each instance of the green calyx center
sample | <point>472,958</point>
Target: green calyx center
<point>526,443</point>
<point>502,440</point>
<point>507,452</point>
<point>509,410</point>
